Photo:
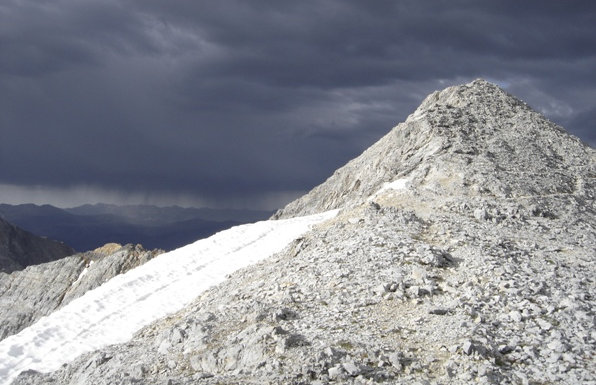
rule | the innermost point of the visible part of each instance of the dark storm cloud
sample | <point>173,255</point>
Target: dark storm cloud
<point>235,100</point>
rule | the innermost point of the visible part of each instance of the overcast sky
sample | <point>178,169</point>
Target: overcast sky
<point>251,103</point>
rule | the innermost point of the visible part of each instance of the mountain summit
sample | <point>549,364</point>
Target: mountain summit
<point>461,251</point>
<point>469,140</point>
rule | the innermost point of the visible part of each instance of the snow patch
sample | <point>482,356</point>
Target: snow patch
<point>398,184</point>
<point>111,313</point>
<point>83,273</point>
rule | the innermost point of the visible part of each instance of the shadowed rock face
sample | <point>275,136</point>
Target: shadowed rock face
<point>36,291</point>
<point>19,248</point>
<point>463,253</point>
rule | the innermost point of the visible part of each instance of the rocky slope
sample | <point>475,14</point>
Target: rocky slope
<point>36,291</point>
<point>464,253</point>
<point>473,140</point>
<point>19,248</point>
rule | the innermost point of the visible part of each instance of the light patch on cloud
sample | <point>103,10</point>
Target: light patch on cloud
<point>557,109</point>
<point>263,201</point>
<point>79,195</point>
<point>65,197</point>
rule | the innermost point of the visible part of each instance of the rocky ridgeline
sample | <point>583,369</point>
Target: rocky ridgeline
<point>20,248</point>
<point>471,140</point>
<point>475,265</point>
<point>27,295</point>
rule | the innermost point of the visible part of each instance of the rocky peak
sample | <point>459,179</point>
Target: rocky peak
<point>474,139</point>
<point>476,93</point>
<point>108,248</point>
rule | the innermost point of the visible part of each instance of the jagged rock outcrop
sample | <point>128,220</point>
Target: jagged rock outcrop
<point>464,253</point>
<point>20,248</point>
<point>27,295</point>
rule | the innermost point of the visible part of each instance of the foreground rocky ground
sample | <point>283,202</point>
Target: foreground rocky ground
<point>475,265</point>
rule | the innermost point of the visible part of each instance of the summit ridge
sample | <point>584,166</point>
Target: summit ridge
<point>473,139</point>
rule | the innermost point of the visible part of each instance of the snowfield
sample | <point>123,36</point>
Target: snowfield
<point>111,313</point>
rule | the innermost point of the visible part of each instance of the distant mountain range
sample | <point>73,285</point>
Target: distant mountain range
<point>90,226</point>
